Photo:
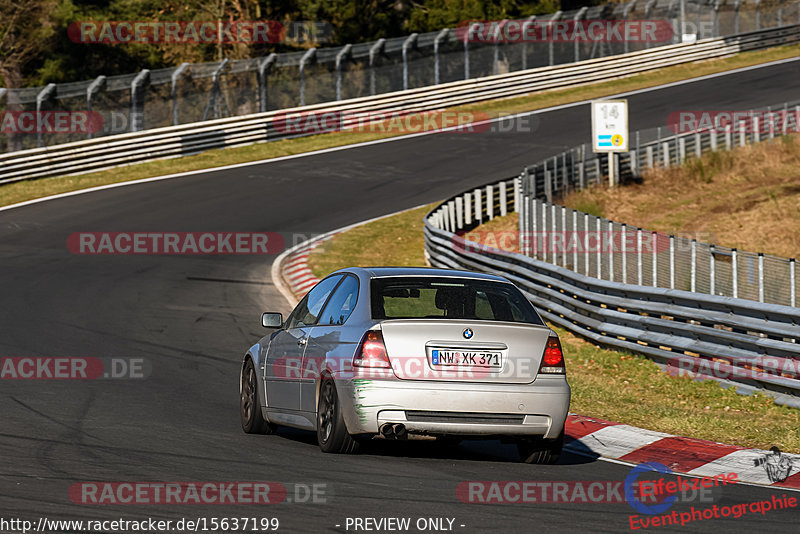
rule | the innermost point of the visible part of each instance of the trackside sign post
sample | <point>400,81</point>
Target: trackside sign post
<point>610,131</point>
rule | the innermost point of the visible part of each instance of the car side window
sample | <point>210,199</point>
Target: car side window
<point>307,312</point>
<point>341,304</point>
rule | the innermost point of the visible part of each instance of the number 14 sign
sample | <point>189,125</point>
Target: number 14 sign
<point>610,125</point>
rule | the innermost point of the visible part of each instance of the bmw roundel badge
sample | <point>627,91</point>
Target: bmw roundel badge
<point>468,333</point>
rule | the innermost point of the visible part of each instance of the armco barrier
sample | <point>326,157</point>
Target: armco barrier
<point>176,141</point>
<point>625,255</point>
<point>732,340</point>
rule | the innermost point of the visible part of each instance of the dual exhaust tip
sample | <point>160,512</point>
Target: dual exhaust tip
<point>394,431</point>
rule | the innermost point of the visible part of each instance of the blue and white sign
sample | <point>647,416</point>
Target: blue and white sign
<point>610,125</point>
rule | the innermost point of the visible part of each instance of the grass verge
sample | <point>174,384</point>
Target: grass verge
<point>27,190</point>
<point>606,384</point>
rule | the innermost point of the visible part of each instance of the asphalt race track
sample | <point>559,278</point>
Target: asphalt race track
<point>190,318</point>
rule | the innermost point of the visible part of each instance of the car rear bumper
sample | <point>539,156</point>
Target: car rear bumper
<point>462,408</point>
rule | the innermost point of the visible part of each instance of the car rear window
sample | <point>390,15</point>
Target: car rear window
<point>449,298</point>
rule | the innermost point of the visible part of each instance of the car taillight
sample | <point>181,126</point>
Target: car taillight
<point>371,351</point>
<point>553,360</point>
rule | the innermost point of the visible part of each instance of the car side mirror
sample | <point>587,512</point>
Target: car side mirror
<point>271,320</point>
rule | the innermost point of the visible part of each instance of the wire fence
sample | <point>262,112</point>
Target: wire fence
<point>609,250</point>
<point>203,91</point>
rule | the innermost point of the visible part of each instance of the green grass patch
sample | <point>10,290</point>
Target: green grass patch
<point>27,190</point>
<point>607,384</point>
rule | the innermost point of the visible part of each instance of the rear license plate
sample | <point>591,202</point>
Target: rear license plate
<point>463,358</point>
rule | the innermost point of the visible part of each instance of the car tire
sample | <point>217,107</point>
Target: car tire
<point>540,451</point>
<point>249,403</point>
<point>332,434</point>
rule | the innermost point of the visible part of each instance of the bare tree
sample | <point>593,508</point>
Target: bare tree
<point>25,29</point>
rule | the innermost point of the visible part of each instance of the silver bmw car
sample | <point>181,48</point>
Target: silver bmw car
<point>393,353</point>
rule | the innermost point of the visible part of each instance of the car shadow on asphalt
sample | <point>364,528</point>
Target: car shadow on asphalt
<point>481,450</point>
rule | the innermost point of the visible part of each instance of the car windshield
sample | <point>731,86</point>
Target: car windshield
<point>449,298</point>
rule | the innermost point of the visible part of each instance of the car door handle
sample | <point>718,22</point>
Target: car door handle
<point>301,341</point>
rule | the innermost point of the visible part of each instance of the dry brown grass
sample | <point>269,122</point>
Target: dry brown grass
<point>748,198</point>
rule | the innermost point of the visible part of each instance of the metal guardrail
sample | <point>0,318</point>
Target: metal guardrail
<point>176,141</point>
<point>751,345</point>
<point>193,92</point>
<point>626,253</point>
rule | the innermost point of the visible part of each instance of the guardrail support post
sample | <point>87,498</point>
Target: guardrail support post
<point>525,26</point>
<point>712,271</point>
<point>551,241</point>
<point>411,40</point>
<point>376,49</point>
<point>503,199</point>
<point>681,149</point>
<point>310,54</point>
<point>694,266</point>
<point>735,273</point>
<point>624,252</point>
<point>582,167</point>
<point>647,9</point>
<point>598,229</point>
<point>742,133</point>
<point>760,277</point>
<point>490,202</point>
<point>216,91</point>
<point>792,282</point>
<point>466,50</point>
<point>672,262</point>
<point>496,43</point>
<point>263,73</point>
<point>556,16</point>
<point>343,54</point>
<point>655,258</point>
<point>548,184</point>
<point>177,74</point>
<point>639,262</point>
<point>468,208</point>
<point>137,99</point>
<point>459,213</point>
<point>586,241</point>
<point>478,209</point>
<point>563,236</point>
<point>544,232</point>
<point>48,94</point>
<point>758,15</point>
<point>436,42</point>
<point>95,87</point>
<point>573,239</point>
<point>523,222</point>
<point>611,251</point>
<point>625,14</point>
<point>578,17</point>
<point>649,151</point>
<point>771,119</point>
<point>666,154</point>
<point>698,145</point>
<point>717,5</point>
<point>756,130</point>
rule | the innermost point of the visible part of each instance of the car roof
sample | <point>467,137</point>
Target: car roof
<point>383,272</point>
